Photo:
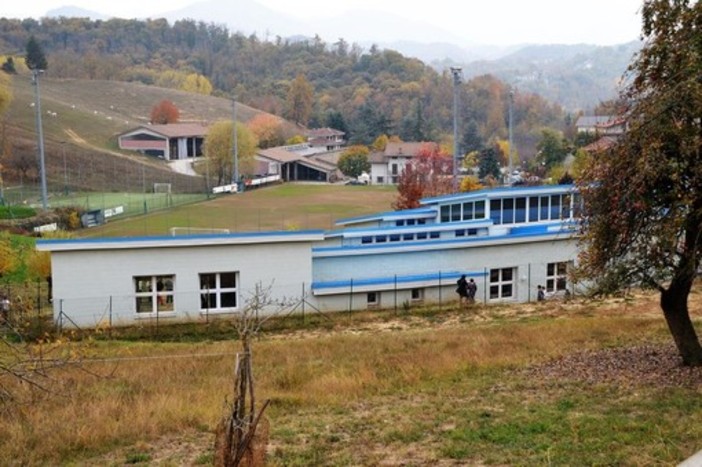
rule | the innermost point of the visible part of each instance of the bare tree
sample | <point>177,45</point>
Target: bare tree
<point>242,435</point>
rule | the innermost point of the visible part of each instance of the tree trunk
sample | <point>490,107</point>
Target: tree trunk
<point>677,316</point>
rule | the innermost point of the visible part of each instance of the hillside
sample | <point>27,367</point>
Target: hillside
<point>81,119</point>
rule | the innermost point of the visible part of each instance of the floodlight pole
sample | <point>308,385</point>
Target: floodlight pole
<point>511,101</point>
<point>456,72</point>
<point>40,136</point>
<point>235,148</point>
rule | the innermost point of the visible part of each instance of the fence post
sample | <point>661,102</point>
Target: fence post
<point>110,323</point>
<point>303,302</point>
<point>351,296</point>
<point>485,285</point>
<point>440,295</point>
<point>529,283</point>
<point>395,293</point>
<point>38,298</point>
<point>60,321</point>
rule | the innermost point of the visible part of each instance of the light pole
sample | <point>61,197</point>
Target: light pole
<point>235,148</point>
<point>40,135</point>
<point>511,101</point>
<point>456,72</point>
<point>65,169</point>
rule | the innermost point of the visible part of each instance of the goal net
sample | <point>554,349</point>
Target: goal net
<point>162,188</point>
<point>195,230</point>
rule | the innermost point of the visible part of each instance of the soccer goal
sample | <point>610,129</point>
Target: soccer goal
<point>195,230</point>
<point>162,188</point>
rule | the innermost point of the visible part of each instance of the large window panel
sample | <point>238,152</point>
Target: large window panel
<point>154,294</point>
<point>219,291</point>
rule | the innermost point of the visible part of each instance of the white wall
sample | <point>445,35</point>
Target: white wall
<point>94,287</point>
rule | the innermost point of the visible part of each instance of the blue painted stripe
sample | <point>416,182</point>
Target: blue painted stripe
<point>387,214</point>
<point>404,279</point>
<point>167,238</point>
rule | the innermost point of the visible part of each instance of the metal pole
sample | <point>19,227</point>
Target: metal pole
<point>40,134</point>
<point>456,71</point>
<point>511,100</point>
<point>65,169</point>
<point>235,148</point>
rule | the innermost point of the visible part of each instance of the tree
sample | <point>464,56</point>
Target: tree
<point>354,161</point>
<point>164,112</point>
<point>268,130</point>
<point>335,120</point>
<point>218,150</point>
<point>643,198</point>
<point>35,59</point>
<point>552,148</point>
<point>197,83</point>
<point>488,165</point>
<point>300,97</point>
<point>8,66</point>
<point>429,173</point>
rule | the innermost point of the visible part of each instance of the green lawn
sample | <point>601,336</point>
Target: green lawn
<point>281,207</point>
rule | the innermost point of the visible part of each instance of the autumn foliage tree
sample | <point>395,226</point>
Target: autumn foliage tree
<point>643,198</point>
<point>164,112</point>
<point>219,143</point>
<point>429,173</point>
<point>299,101</point>
<point>268,129</point>
<point>354,161</point>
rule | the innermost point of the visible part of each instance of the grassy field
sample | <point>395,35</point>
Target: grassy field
<point>417,388</point>
<point>281,207</point>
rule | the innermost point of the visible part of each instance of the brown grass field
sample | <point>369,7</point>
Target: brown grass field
<point>578,383</point>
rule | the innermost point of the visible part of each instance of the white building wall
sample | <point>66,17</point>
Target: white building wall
<point>97,287</point>
<point>436,272</point>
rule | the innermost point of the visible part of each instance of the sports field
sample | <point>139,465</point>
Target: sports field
<point>281,207</point>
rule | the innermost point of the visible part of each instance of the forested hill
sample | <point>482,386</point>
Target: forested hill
<point>363,92</point>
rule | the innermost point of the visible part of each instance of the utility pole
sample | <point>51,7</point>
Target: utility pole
<point>40,135</point>
<point>456,72</point>
<point>235,148</point>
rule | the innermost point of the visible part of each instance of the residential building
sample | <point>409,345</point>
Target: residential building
<point>387,165</point>
<point>173,141</point>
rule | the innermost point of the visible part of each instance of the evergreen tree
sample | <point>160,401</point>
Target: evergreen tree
<point>488,164</point>
<point>36,60</point>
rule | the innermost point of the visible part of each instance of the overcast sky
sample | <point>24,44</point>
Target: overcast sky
<point>499,22</point>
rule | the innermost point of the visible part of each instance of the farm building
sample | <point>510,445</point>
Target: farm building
<point>171,142</point>
<point>508,240</point>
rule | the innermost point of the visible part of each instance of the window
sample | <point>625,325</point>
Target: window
<point>410,221</point>
<point>543,212</point>
<point>496,211</point>
<point>399,223</point>
<point>408,236</point>
<point>154,294</point>
<point>501,283</point>
<point>366,239</point>
<point>218,291</point>
<point>455,213</point>
<point>373,298</point>
<point>520,210</point>
<point>380,179</point>
<point>421,235</point>
<point>381,239</point>
<point>395,237</point>
<point>556,276</point>
<point>417,295</point>
<point>445,213</point>
<point>555,207</point>
<point>460,233</point>
<point>434,234</point>
<point>467,211</point>
<point>508,211</point>
<point>479,210</point>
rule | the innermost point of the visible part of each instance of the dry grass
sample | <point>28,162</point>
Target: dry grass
<point>385,389</point>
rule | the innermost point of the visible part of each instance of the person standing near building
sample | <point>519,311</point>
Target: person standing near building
<point>462,289</point>
<point>472,289</point>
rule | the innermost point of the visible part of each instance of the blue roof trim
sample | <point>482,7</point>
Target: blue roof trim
<point>382,215</point>
<point>364,282</point>
<point>168,238</point>
<point>434,226</point>
<point>516,232</point>
<point>493,192</point>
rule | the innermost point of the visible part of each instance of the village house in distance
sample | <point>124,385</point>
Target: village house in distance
<point>508,240</point>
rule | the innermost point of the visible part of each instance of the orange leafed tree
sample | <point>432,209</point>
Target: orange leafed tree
<point>268,129</point>
<point>164,112</point>
<point>429,173</point>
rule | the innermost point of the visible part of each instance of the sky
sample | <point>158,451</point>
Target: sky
<point>498,22</point>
